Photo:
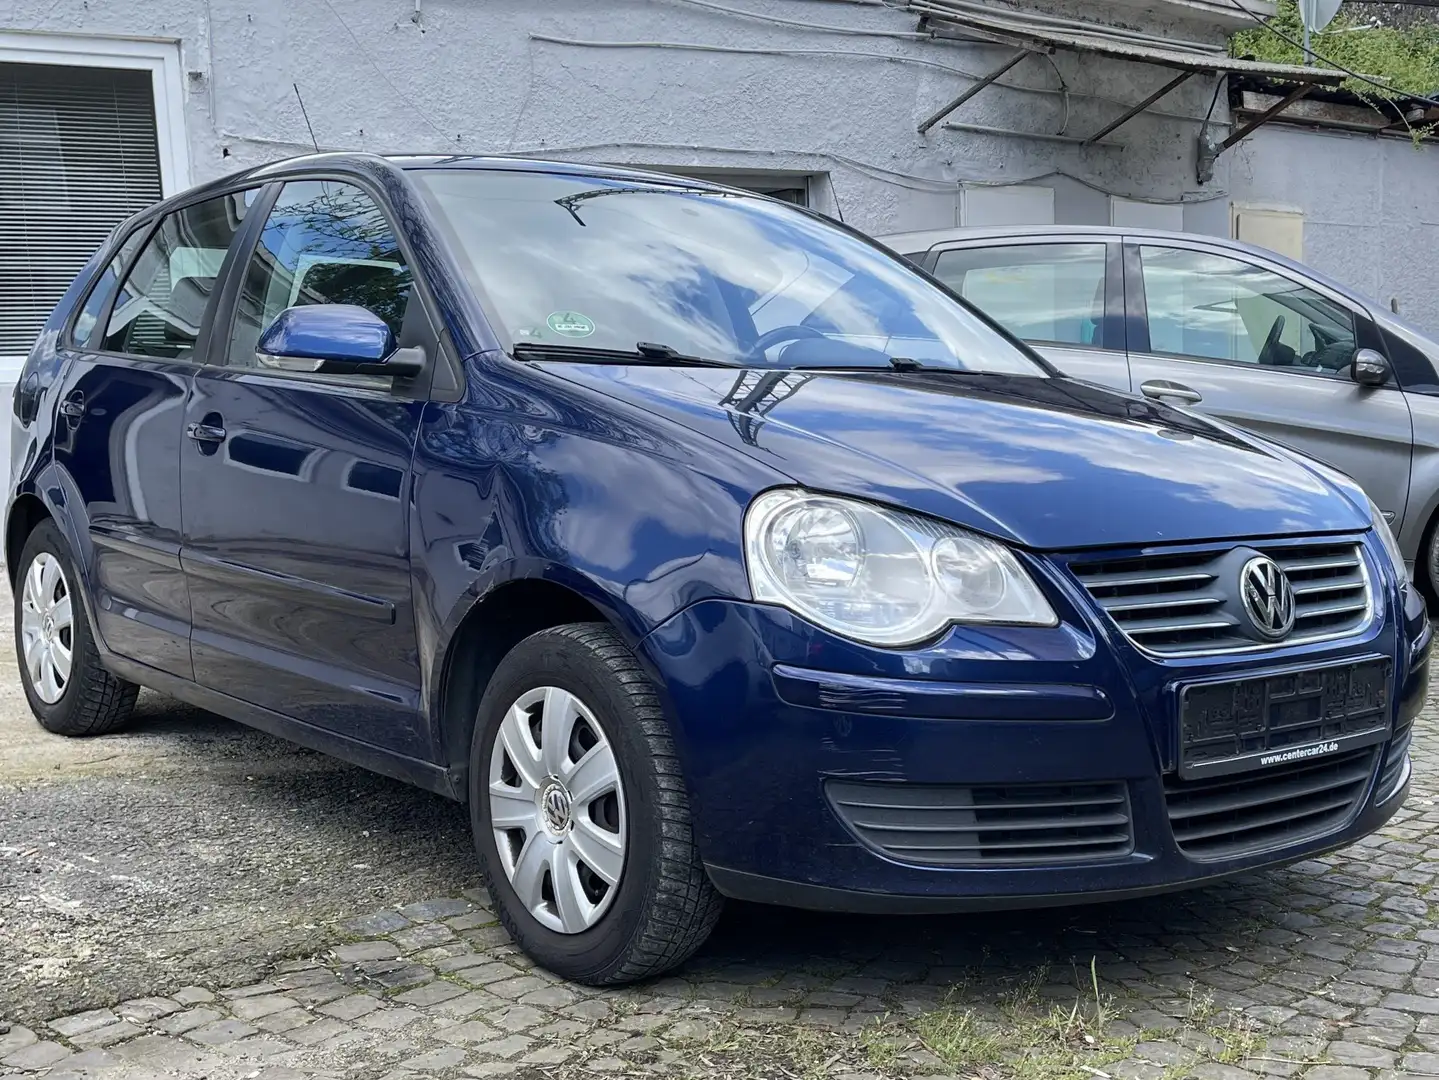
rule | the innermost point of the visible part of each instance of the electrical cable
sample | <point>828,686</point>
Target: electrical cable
<point>381,72</point>
<point>1334,64</point>
<point>854,31</point>
<point>876,172</point>
<point>1062,90</point>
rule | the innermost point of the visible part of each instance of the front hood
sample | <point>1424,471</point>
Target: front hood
<point>1046,463</point>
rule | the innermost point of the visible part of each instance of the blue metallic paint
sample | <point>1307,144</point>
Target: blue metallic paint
<point>341,332</point>
<point>626,486</point>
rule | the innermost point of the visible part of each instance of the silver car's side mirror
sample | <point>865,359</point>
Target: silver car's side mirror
<point>1370,368</point>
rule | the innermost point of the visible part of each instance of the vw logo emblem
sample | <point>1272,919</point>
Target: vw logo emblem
<point>1268,597</point>
<point>555,806</point>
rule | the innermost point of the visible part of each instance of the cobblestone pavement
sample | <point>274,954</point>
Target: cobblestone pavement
<point>1327,970</point>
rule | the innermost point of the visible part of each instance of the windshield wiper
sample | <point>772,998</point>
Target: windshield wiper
<point>905,363</point>
<point>644,352</point>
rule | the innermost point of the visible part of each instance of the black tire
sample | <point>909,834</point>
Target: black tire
<point>93,701</point>
<point>665,906</point>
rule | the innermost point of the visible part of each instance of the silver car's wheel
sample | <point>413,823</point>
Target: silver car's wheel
<point>557,808</point>
<point>47,627</point>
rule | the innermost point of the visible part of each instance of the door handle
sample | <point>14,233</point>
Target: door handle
<point>1163,388</point>
<point>73,407</point>
<point>205,433</point>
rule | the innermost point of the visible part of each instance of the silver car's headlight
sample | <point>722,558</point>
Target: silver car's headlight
<point>881,576</point>
<point>1387,541</point>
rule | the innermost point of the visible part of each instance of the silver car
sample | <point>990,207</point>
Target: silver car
<point>1225,328</point>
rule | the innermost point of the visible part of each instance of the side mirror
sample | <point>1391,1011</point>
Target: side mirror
<point>1370,368</point>
<point>335,339</point>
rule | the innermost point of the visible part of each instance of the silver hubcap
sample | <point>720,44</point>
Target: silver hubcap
<point>557,808</point>
<point>47,627</point>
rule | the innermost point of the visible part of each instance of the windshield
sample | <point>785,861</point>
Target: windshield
<point>607,264</point>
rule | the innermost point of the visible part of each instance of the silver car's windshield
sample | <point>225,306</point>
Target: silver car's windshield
<point>606,264</point>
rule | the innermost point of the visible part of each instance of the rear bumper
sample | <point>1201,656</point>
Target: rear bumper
<point>770,713</point>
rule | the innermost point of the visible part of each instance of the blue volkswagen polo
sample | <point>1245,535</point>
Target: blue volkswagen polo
<point>703,548</point>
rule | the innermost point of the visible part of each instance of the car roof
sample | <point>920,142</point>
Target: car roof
<point>344,161</point>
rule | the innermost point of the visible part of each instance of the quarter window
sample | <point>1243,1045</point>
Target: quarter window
<point>102,290</point>
<point>160,307</point>
<point>324,243</point>
<point>1046,293</point>
<point>1215,308</point>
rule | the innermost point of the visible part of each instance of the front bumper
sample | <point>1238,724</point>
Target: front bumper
<point>770,713</point>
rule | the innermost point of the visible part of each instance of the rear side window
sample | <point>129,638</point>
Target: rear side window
<point>162,303</point>
<point>102,290</point>
<point>1046,293</point>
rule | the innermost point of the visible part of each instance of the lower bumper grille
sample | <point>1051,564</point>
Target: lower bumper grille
<point>1229,816</point>
<point>993,825</point>
<point>1393,771</point>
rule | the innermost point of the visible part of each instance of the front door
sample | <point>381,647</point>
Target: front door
<point>1266,352</point>
<point>118,435</point>
<point>296,536</point>
<point>1063,298</point>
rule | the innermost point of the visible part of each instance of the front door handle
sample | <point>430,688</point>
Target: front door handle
<point>205,433</point>
<point>73,407</point>
<point>1163,388</point>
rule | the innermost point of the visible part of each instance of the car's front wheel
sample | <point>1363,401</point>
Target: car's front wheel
<point>580,813</point>
<point>69,690</point>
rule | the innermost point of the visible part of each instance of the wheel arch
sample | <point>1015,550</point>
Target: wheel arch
<point>26,513</point>
<point>493,621</point>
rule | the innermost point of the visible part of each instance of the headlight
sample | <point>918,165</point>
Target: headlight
<point>1390,545</point>
<point>880,576</point>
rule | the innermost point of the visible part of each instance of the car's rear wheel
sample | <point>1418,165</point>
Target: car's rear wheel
<point>69,691</point>
<point>580,813</point>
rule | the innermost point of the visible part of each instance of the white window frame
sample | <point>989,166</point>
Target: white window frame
<point>159,56</point>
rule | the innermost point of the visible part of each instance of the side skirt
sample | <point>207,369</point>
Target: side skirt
<point>423,774</point>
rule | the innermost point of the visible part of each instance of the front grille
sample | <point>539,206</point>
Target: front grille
<point>1228,816</point>
<point>1393,770</point>
<point>993,825</point>
<point>1188,602</point>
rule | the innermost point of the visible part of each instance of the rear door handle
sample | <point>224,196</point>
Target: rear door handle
<point>1163,388</point>
<point>205,433</point>
<point>73,406</point>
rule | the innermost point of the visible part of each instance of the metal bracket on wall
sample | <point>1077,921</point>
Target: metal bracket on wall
<point>976,88</point>
<point>1209,150</point>
<point>1124,118</point>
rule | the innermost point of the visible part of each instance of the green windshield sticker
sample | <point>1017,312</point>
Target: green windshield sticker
<point>570,324</point>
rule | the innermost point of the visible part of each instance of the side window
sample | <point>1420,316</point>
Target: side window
<point>1216,308</point>
<point>103,289</point>
<point>1046,293</point>
<point>162,303</point>
<point>324,242</point>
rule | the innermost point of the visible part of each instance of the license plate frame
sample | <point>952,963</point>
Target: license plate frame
<point>1270,719</point>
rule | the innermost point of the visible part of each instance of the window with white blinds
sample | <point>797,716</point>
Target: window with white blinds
<point>78,154</point>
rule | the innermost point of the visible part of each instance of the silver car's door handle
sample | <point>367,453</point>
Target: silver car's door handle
<point>1163,388</point>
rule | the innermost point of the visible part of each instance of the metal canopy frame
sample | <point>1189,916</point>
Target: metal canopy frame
<point>997,28</point>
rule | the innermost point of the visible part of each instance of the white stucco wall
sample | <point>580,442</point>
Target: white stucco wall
<point>1370,206</point>
<point>474,76</point>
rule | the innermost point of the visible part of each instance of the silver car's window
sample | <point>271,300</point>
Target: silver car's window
<point>607,263</point>
<point>1047,293</point>
<point>1216,308</point>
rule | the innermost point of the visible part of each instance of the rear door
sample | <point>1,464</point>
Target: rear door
<point>118,435</point>
<point>296,537</point>
<point>1062,295</point>
<point>1252,344</point>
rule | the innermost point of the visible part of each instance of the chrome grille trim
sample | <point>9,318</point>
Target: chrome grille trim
<point>1176,603</point>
